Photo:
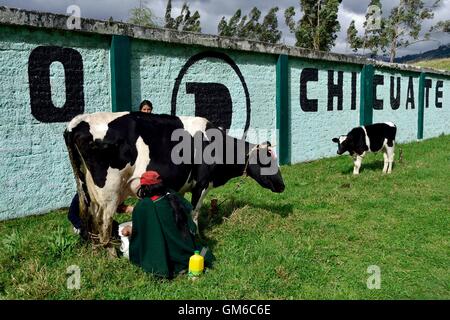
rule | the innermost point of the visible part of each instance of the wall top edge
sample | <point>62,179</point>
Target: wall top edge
<point>43,20</point>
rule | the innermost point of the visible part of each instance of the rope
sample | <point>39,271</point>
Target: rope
<point>244,173</point>
<point>132,179</point>
<point>96,243</point>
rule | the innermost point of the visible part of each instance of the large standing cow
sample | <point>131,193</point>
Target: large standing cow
<point>110,151</point>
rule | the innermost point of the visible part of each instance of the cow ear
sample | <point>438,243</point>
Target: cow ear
<point>335,140</point>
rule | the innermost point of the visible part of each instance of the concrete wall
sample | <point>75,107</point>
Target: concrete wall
<point>436,111</point>
<point>404,112</point>
<point>48,74</point>
<point>315,120</point>
<point>209,86</point>
<point>35,173</point>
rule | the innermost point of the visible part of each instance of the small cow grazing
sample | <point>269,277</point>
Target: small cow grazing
<point>110,151</point>
<point>371,138</point>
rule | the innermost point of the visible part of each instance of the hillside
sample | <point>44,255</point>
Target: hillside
<point>439,53</point>
<point>441,64</point>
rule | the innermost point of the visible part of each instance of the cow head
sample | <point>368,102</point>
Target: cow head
<point>262,166</point>
<point>345,143</point>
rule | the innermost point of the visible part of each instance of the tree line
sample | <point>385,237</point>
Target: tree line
<point>318,26</point>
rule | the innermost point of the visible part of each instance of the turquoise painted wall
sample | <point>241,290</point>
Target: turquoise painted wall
<point>437,120</point>
<point>35,173</point>
<point>311,132</point>
<point>155,67</point>
<point>404,117</point>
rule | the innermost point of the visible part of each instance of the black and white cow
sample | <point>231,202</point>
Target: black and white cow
<point>370,138</point>
<point>110,151</point>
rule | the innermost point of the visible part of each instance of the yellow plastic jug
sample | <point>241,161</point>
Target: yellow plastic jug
<point>196,264</point>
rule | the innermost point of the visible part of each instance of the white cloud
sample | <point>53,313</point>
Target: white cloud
<point>356,10</point>
<point>345,17</point>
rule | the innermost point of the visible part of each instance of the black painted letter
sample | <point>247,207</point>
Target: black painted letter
<point>428,84</point>
<point>395,99</point>
<point>335,90</point>
<point>378,80</point>
<point>213,102</point>
<point>439,84</point>
<point>308,74</point>
<point>353,107</point>
<point>410,96</point>
<point>42,107</point>
<point>216,89</point>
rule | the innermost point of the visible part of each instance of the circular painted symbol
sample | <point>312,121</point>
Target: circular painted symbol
<point>212,100</point>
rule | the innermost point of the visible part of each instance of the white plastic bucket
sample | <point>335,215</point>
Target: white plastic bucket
<point>125,246</point>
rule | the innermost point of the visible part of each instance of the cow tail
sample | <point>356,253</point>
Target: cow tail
<point>400,156</point>
<point>77,163</point>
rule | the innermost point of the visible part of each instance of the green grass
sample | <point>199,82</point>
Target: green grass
<point>440,64</point>
<point>314,241</point>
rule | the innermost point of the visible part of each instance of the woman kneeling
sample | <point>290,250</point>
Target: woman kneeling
<point>162,234</point>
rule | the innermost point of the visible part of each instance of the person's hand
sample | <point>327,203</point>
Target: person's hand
<point>129,209</point>
<point>123,208</point>
<point>126,231</point>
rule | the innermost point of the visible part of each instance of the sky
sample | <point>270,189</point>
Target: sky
<point>211,11</point>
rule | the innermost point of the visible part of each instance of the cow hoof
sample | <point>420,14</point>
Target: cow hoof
<point>112,253</point>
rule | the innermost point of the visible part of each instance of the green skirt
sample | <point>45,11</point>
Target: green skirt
<point>157,245</point>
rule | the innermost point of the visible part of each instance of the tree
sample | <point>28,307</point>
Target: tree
<point>441,26</point>
<point>373,38</point>
<point>269,29</point>
<point>318,26</point>
<point>374,25</point>
<point>249,27</point>
<point>404,24</point>
<point>142,16</point>
<point>353,40</point>
<point>185,21</point>
<point>400,29</point>
<point>170,22</point>
<point>230,29</point>
<point>252,28</point>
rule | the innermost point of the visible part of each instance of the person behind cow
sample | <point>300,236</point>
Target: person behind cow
<point>74,217</point>
<point>146,106</point>
<point>162,233</point>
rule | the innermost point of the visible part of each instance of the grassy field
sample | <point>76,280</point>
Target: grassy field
<point>441,64</point>
<point>314,241</point>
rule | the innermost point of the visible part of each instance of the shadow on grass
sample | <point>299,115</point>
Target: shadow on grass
<point>376,165</point>
<point>208,220</point>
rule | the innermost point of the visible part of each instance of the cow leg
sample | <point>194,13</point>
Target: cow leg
<point>104,202</point>
<point>357,164</point>
<point>390,155</point>
<point>106,227</point>
<point>386,162</point>
<point>198,195</point>
<point>103,220</point>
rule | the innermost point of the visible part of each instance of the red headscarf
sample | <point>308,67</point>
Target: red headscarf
<point>150,177</point>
